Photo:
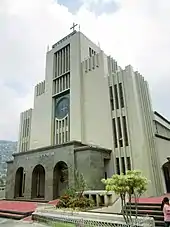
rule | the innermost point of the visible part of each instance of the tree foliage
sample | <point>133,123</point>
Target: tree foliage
<point>132,184</point>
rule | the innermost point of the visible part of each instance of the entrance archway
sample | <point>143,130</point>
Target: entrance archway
<point>19,182</point>
<point>60,179</point>
<point>38,182</point>
<point>166,172</point>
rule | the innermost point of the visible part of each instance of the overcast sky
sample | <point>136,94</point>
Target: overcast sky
<point>135,32</point>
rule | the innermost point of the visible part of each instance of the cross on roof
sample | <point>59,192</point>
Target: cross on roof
<point>73,27</point>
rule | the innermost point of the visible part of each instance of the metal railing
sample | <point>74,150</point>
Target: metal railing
<point>73,221</point>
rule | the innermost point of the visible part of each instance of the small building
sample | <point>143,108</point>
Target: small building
<point>45,173</point>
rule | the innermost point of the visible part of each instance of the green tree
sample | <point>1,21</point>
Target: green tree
<point>132,184</point>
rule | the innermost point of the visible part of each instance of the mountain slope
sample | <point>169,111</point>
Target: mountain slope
<point>7,148</point>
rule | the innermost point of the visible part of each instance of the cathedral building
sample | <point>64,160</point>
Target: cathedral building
<point>91,115</point>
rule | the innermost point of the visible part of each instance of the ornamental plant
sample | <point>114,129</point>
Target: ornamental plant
<point>130,185</point>
<point>73,197</point>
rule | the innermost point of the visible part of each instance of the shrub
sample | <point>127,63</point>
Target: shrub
<point>74,202</point>
<point>73,197</point>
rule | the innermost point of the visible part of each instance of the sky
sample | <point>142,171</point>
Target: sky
<point>135,32</point>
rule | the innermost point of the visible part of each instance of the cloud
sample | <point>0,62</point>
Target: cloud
<point>96,6</point>
<point>136,32</point>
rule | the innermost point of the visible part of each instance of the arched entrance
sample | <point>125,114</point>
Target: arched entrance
<point>166,172</point>
<point>38,182</point>
<point>60,179</point>
<point>19,182</point>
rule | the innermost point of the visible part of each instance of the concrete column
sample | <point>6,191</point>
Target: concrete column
<point>49,185</point>
<point>28,183</point>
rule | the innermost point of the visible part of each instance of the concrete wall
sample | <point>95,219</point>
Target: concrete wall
<point>79,51</point>
<point>96,102</point>
<point>163,146</point>
<point>42,118</point>
<point>162,133</point>
<point>91,164</point>
<point>2,193</point>
<point>162,125</point>
<point>10,181</point>
<point>24,131</point>
<point>141,129</point>
<point>41,127</point>
<point>48,159</point>
<point>87,161</point>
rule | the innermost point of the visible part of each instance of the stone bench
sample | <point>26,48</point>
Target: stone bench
<point>101,198</point>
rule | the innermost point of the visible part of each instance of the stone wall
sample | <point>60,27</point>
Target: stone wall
<point>88,161</point>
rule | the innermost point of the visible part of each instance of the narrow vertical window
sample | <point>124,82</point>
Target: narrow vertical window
<point>63,60</point>
<point>57,90</point>
<point>68,80</point>
<point>121,95</point>
<point>62,137</point>
<point>69,57</point>
<point>59,138</point>
<point>90,52</point>
<point>62,123</point>
<point>120,132</point>
<point>66,121</point>
<point>111,92</point>
<point>90,63</point>
<point>66,58</point>
<point>128,163</point>
<point>56,138</point>
<point>26,146</point>
<point>66,136</point>
<point>93,62</point>
<point>24,183</point>
<point>114,132</point>
<point>125,131</point>
<point>59,124</point>
<point>117,166</point>
<point>116,97</point>
<point>60,84</point>
<point>123,165</point>
<point>112,104</point>
<point>61,63</point>
<point>156,127</point>
<point>62,81</point>
<point>111,98</point>
<point>59,66</point>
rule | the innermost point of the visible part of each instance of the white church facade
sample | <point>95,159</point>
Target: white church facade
<point>87,97</point>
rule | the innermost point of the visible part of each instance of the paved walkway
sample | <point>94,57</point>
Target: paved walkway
<point>12,223</point>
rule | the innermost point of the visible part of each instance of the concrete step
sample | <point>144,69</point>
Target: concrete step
<point>28,200</point>
<point>149,212</point>
<point>17,212</point>
<point>147,204</point>
<point>11,216</point>
<point>145,207</point>
<point>157,218</point>
<point>159,223</point>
